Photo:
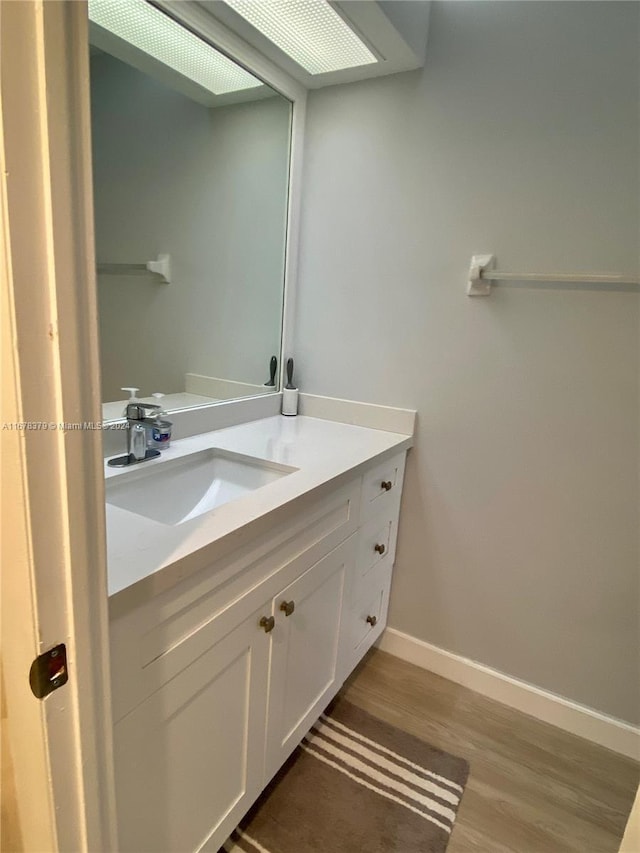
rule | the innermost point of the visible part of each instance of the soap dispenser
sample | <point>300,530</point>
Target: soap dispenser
<point>159,433</point>
<point>133,398</point>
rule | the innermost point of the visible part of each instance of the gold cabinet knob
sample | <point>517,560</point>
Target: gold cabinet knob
<point>380,549</point>
<point>268,623</point>
<point>386,485</point>
<point>372,620</point>
<point>288,607</point>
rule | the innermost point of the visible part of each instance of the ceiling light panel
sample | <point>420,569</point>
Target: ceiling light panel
<point>158,35</point>
<point>309,31</point>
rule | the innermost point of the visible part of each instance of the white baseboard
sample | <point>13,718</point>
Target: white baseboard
<point>578,719</point>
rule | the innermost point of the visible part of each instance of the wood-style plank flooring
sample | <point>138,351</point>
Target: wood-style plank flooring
<point>533,788</point>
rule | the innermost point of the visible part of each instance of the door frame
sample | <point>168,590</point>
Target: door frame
<point>54,579</point>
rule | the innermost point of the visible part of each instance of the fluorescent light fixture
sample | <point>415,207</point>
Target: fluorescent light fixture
<point>311,32</point>
<point>158,35</point>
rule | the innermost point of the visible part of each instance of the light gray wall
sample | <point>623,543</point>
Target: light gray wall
<point>411,20</point>
<point>208,186</point>
<point>518,541</point>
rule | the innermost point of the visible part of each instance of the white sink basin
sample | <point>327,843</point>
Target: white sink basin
<point>177,490</point>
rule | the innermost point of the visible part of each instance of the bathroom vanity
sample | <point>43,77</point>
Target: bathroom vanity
<point>233,629</point>
<point>249,568</point>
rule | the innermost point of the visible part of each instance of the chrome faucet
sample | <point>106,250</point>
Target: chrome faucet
<point>137,425</point>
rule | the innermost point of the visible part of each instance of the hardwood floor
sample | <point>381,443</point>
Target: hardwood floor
<point>532,789</point>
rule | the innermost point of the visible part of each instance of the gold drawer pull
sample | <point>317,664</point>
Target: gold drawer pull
<point>386,485</point>
<point>268,623</point>
<point>288,607</point>
<point>380,549</point>
<point>372,620</point>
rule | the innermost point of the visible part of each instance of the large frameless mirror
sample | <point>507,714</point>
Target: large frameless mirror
<point>191,165</point>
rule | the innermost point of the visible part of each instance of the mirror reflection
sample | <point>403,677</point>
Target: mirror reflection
<point>190,165</point>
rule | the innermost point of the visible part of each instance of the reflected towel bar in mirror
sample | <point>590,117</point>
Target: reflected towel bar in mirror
<point>161,266</point>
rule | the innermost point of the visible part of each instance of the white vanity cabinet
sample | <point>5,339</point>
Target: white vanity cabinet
<point>367,598</point>
<point>189,758</point>
<point>217,679</point>
<point>305,652</point>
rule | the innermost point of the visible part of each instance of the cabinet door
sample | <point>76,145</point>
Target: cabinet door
<point>305,652</point>
<point>189,759</point>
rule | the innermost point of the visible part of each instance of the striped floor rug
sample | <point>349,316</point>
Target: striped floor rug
<point>356,785</point>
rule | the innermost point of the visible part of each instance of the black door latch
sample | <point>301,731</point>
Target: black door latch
<point>49,671</point>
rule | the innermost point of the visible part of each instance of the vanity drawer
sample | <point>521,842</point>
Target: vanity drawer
<point>382,487</point>
<point>368,615</point>
<point>376,540</point>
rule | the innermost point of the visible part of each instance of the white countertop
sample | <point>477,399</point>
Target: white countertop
<point>321,450</point>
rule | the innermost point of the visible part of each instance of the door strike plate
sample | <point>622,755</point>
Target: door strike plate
<point>49,671</point>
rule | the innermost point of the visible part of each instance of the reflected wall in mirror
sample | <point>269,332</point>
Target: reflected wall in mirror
<point>190,162</point>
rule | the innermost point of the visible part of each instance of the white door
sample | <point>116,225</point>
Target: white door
<point>189,759</point>
<point>53,536</point>
<point>304,656</point>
